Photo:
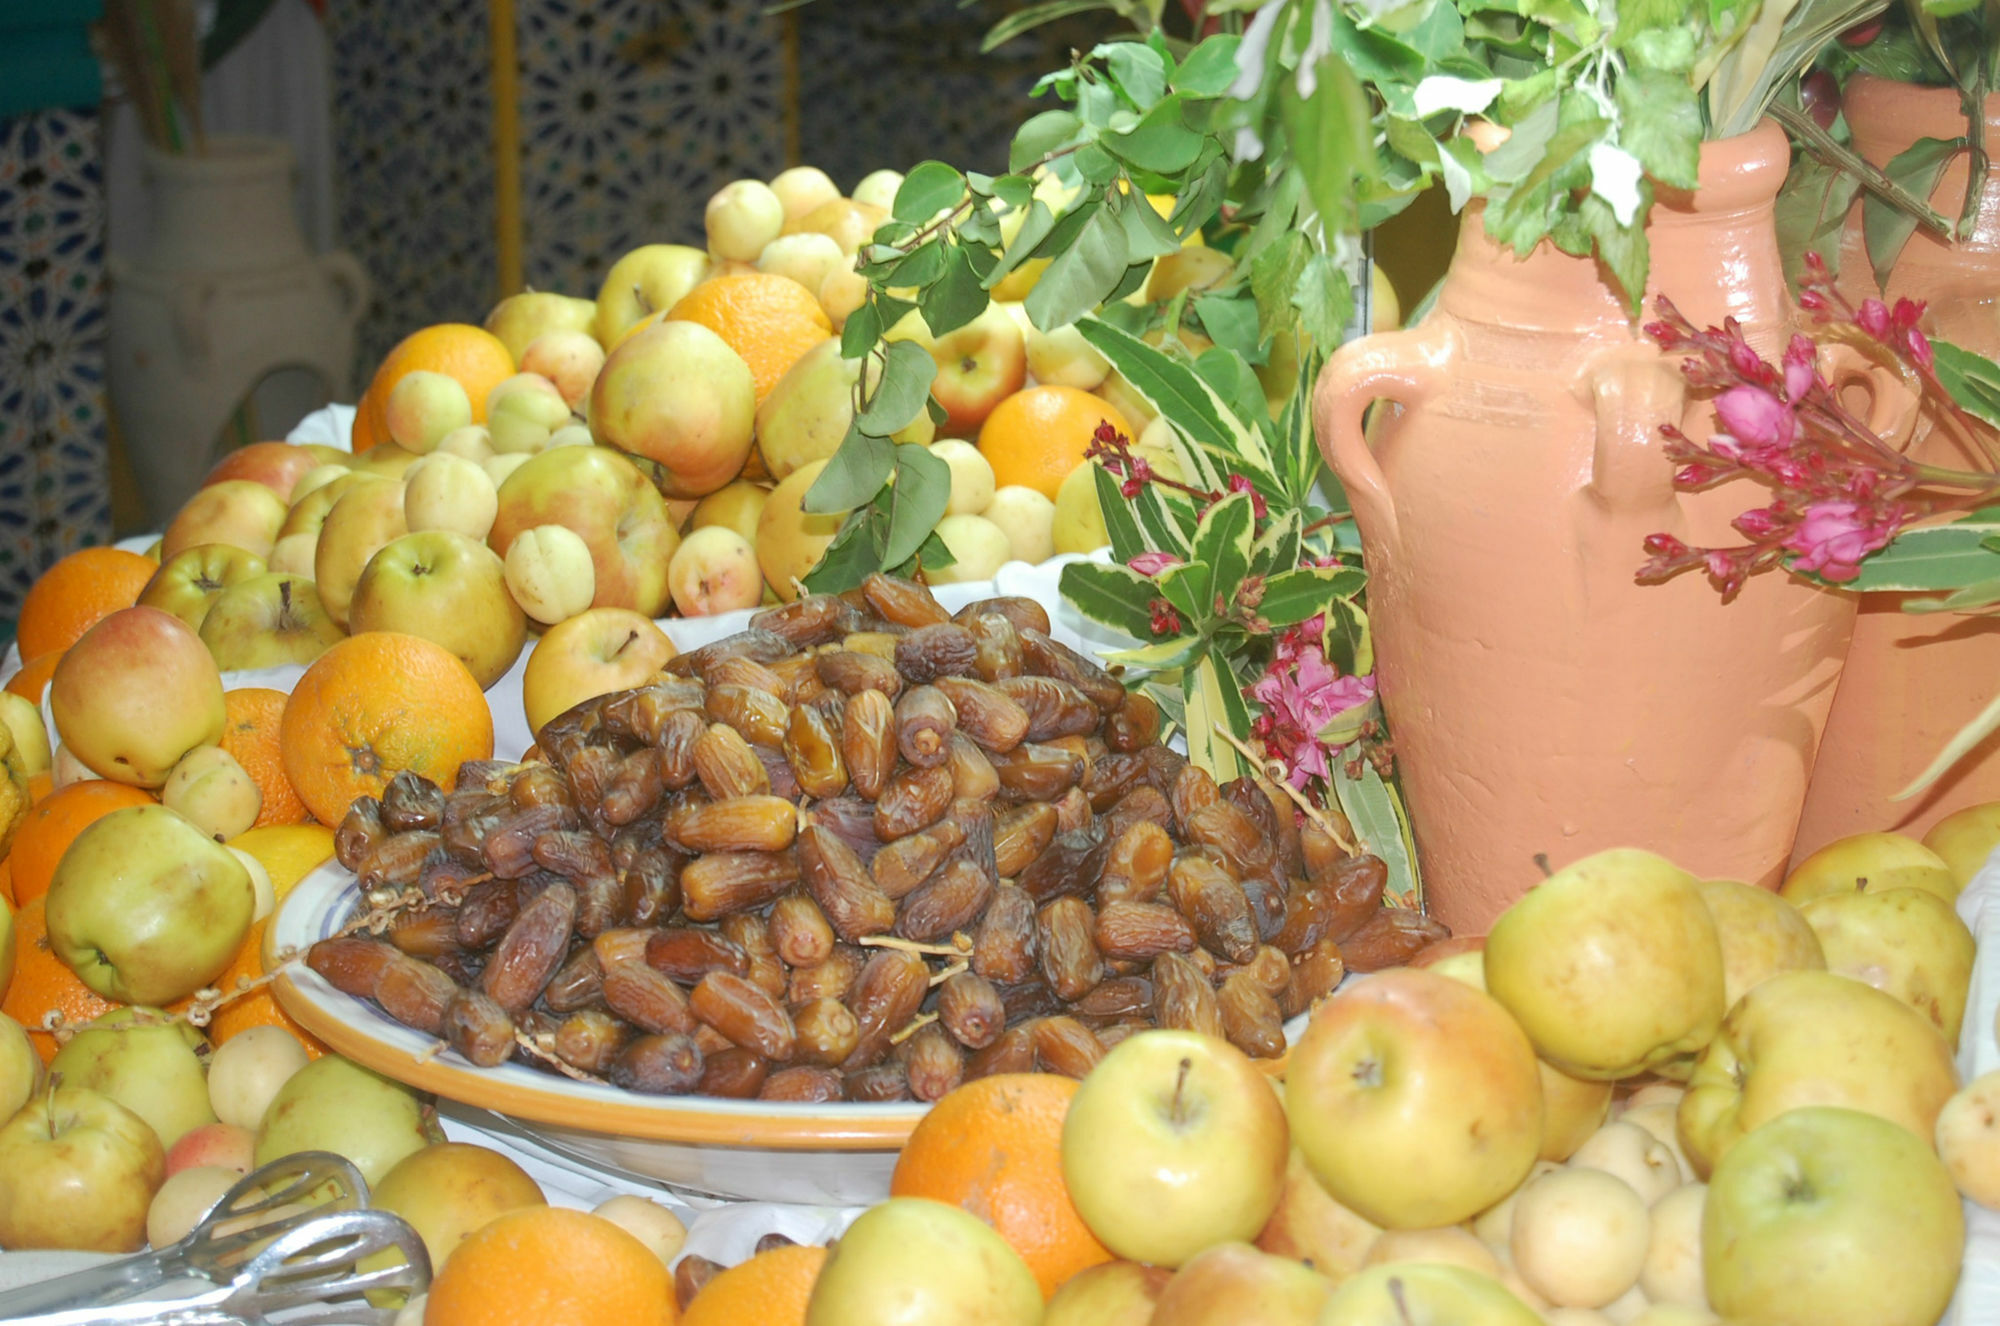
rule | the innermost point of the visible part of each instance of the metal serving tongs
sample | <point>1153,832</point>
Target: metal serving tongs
<point>261,1250</point>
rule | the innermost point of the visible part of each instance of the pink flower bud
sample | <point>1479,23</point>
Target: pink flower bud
<point>1874,317</point>
<point>1150,564</point>
<point>1799,376</point>
<point>1754,415</point>
<point>1920,349</point>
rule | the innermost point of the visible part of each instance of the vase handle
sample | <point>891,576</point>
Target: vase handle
<point>1893,398</point>
<point>1632,389</point>
<point>1401,366</point>
<point>350,278</point>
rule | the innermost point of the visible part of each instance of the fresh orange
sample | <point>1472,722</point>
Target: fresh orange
<point>1039,434</point>
<point>53,825</point>
<point>994,1147</point>
<point>770,1289</point>
<point>551,1266</point>
<point>33,678</point>
<point>78,592</point>
<point>259,1008</point>
<point>769,320</point>
<point>41,787</point>
<point>373,705</point>
<point>251,733</point>
<point>473,355</point>
<point>43,985</point>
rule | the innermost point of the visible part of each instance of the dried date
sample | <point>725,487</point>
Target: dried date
<point>930,652</point>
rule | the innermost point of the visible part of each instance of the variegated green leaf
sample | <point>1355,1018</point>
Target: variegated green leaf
<point>1293,596</point>
<point>1118,596</point>
<point>1222,541</point>
<point>1178,392</point>
<point>1374,810</point>
<point>1161,656</point>
<point>1121,523</point>
<point>1201,691</point>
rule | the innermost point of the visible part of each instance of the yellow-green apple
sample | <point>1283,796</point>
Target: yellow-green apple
<point>647,1221</point>
<point>1234,1282</point>
<point>1118,392</point>
<point>268,621</point>
<point>1814,1038</point>
<point>1968,1139</point>
<point>210,790</point>
<point>364,521</point>
<point>1662,1120</point>
<point>1028,518</point>
<point>260,882</point>
<point>971,476</point>
<point>790,539</point>
<point>979,548</point>
<point>679,396</point>
<point>1656,1093</point>
<point>569,359</point>
<point>518,319</point>
<point>1117,1293</point>
<point>1078,526</point>
<point>850,221</point>
<point>572,435</point>
<point>187,1195</point>
<point>593,653</point>
<point>449,492</point>
<point>807,413</point>
<point>1672,1273</point>
<point>245,1072</point>
<point>1175,1142</point>
<point>448,589</point>
<point>20,1066</point>
<point>499,468</point>
<point>385,461</point>
<point>1831,1217</point>
<point>145,908</point>
<point>1062,358</point>
<point>523,412</point>
<point>188,582</point>
<point>1425,1294</point>
<point>1415,1099</point>
<point>605,500</point>
<point>1639,986</point>
<point>1454,1245</point>
<point>714,570</point>
<point>1580,1237</point>
<point>1627,1151</point>
<point>1194,268</point>
<point>145,1062</point>
<point>31,755</point>
<point>240,512</point>
<point>134,694</point>
<point>741,218</point>
<point>1906,942</point>
<point>448,1189</point>
<point>77,1172</point>
<point>802,188</point>
<point>1309,1225</point>
<point>334,1104</point>
<point>308,511</point>
<point>1870,861</point>
<point>978,365</point>
<point>473,443</point>
<point>424,407</point>
<point>1572,1109</point>
<point>734,506</point>
<point>806,257</point>
<point>550,574</point>
<point>1761,935</point>
<point>841,291</point>
<point>911,1259</point>
<point>649,279</point>
<point>878,188</point>
<point>277,465</point>
<point>1965,838</point>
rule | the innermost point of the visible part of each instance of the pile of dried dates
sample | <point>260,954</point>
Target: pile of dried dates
<point>865,850</point>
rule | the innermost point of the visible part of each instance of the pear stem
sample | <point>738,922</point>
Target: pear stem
<point>1180,1086</point>
<point>1541,859</point>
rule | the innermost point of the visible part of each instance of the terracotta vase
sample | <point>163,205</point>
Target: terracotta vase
<point>1543,704</point>
<point>1912,681</point>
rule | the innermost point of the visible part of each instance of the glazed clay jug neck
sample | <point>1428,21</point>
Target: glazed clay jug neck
<point>1714,252</point>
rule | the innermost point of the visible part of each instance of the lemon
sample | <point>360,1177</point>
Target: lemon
<point>289,852</point>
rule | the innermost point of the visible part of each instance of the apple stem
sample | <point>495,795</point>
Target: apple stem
<point>1396,1297</point>
<point>49,1102</point>
<point>1541,859</point>
<point>1180,1086</point>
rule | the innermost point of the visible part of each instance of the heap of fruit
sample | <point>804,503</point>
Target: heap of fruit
<point>729,880</point>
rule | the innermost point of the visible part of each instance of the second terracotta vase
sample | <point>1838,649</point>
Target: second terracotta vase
<point>1542,704</point>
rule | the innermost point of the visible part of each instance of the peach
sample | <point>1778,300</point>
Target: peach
<point>606,501</point>
<point>714,570</point>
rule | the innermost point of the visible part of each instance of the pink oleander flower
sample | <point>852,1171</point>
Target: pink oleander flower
<point>1150,564</point>
<point>1307,700</point>
<point>1757,417</point>
<point>1833,537</point>
<point>1240,484</point>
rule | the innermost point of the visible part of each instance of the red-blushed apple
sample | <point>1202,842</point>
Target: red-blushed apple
<point>1814,1038</point>
<point>1869,861</point>
<point>1965,839</point>
<point>189,1193</point>
<point>268,621</point>
<point>1761,935</point>
<point>1968,1139</point>
<point>1905,942</point>
<point>518,319</point>
<point>314,479</point>
<point>649,279</point>
<point>1174,1142</point>
<point>1309,1226</point>
<point>225,1145</point>
<point>240,512</point>
<point>1108,1294</point>
<point>1415,1099</point>
<point>77,1172</point>
<point>679,396</point>
<point>591,654</point>
<point>333,1104</point>
<point>911,1260</point>
<point>1672,1273</point>
<point>448,589</point>
<point>188,583</point>
<point>603,499</point>
<point>1425,1294</point>
<point>245,1072</point>
<point>713,571</point>
<point>570,359</point>
<point>1453,1245</point>
<point>146,909</point>
<point>647,1221</point>
<point>277,465</point>
<point>366,519</point>
<point>978,365</point>
<point>145,1062</point>
<point>1580,1237</point>
<point>210,790</point>
<point>1622,1148</point>
<point>1831,1217</point>
<point>21,1071</point>
<point>1234,1282</point>
<point>423,407</point>
<point>136,693</point>
<point>448,1189</point>
<point>550,573</point>
<point>1640,984</point>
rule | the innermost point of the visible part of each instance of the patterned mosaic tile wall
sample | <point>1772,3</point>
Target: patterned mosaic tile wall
<point>54,494</point>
